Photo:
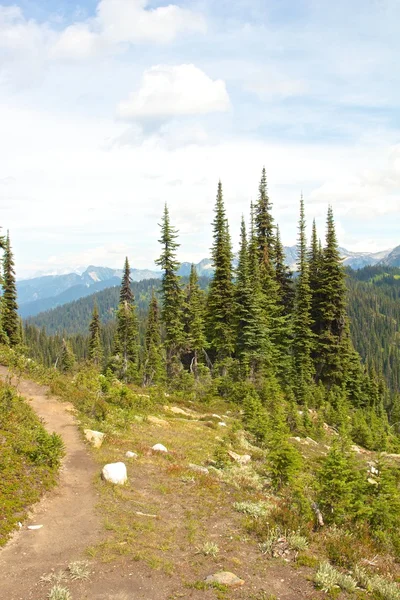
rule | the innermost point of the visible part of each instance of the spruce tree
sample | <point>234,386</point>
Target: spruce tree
<point>126,293</point>
<point>95,344</point>
<point>195,339</point>
<point>250,334</point>
<point>303,338</point>
<point>220,311</point>
<point>153,363</point>
<point>283,276</point>
<point>266,239</point>
<point>126,337</point>
<point>172,294</point>
<point>332,326</point>
<point>10,318</point>
<point>66,360</point>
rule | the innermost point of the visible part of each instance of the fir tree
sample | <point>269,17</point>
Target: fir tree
<point>250,336</point>
<point>153,364</point>
<point>195,338</point>
<point>66,360</point>
<point>315,264</point>
<point>220,311</point>
<point>126,337</point>
<point>283,276</point>
<point>172,294</point>
<point>10,318</point>
<point>332,327</point>
<point>302,322</point>
<point>95,344</point>
<point>126,293</point>
<point>264,221</point>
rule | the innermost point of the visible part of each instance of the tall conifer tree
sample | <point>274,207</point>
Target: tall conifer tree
<point>250,332</point>
<point>172,294</point>
<point>153,364</point>
<point>195,338</point>
<point>9,303</point>
<point>95,344</point>
<point>332,326</point>
<point>220,312</point>
<point>302,322</point>
<point>126,338</point>
<point>264,221</point>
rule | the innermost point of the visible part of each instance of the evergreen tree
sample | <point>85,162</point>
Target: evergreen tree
<point>302,322</point>
<point>220,311</point>
<point>315,263</point>
<point>172,294</point>
<point>95,344</point>
<point>126,337</point>
<point>10,318</point>
<point>250,334</point>
<point>153,364</point>
<point>195,338</point>
<point>332,326</point>
<point>126,293</point>
<point>66,360</point>
<point>283,276</point>
<point>264,221</point>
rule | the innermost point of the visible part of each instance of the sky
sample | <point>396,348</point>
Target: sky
<point>110,108</point>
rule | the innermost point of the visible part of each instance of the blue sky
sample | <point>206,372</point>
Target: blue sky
<point>109,108</point>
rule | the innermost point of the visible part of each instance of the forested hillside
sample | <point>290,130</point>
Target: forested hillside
<point>373,303</point>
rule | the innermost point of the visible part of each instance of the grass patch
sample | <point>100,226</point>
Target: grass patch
<point>29,459</point>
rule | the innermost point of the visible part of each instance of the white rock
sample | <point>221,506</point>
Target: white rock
<point>222,424</point>
<point>96,438</point>
<point>35,527</point>
<point>199,469</point>
<point>159,448</point>
<point>130,454</point>
<point>115,473</point>
<point>242,459</point>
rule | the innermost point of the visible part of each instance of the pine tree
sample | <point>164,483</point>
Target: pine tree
<point>195,339</point>
<point>332,326</point>
<point>172,294</point>
<point>250,334</point>
<point>302,323</point>
<point>153,364</point>
<point>283,276</point>
<point>126,293</point>
<point>66,360</point>
<point>220,311</point>
<point>264,221</point>
<point>10,318</point>
<point>315,263</point>
<point>95,344</point>
<point>126,337</point>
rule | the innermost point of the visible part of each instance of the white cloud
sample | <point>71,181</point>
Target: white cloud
<point>167,91</point>
<point>126,22</point>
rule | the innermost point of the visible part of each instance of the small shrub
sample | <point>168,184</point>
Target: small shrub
<point>253,509</point>
<point>79,570</point>
<point>59,593</point>
<point>297,542</point>
<point>347,583</point>
<point>209,549</point>
<point>326,577</point>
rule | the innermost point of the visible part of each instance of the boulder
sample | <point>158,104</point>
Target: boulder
<point>225,578</point>
<point>115,473</point>
<point>222,424</point>
<point>159,448</point>
<point>241,459</point>
<point>130,454</point>
<point>96,438</point>
<point>199,469</point>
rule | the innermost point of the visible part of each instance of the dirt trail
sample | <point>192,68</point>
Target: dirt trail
<point>68,516</point>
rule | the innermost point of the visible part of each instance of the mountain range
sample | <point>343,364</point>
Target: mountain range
<point>49,291</point>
